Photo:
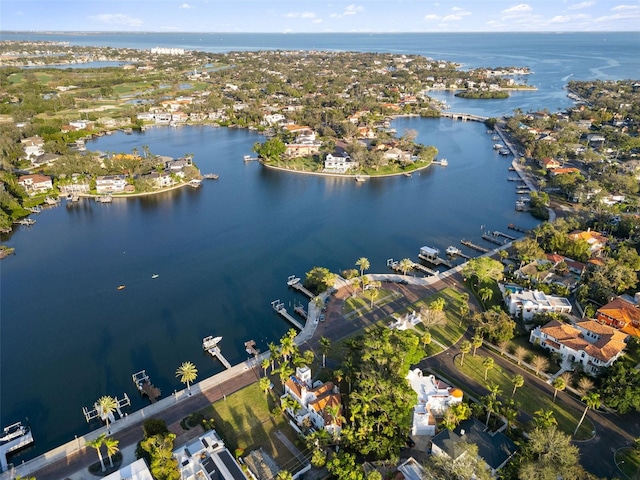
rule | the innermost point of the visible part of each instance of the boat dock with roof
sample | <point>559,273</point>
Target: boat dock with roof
<point>12,438</point>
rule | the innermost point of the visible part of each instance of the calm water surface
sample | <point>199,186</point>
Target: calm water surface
<point>223,252</point>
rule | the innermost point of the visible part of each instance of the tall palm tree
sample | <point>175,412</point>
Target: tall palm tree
<point>465,347</point>
<point>491,402</point>
<point>488,364</point>
<point>105,407</point>
<point>544,418</point>
<point>265,365</point>
<point>363,264</point>
<point>274,353</point>
<point>325,346</point>
<point>97,443</point>
<point>463,310</point>
<point>405,265</point>
<point>187,372</point>
<point>374,291</point>
<point>518,381</point>
<point>287,347</point>
<point>339,375</point>
<point>476,342</point>
<point>112,448</point>
<point>265,384</point>
<point>284,372</point>
<point>558,384</point>
<point>591,400</point>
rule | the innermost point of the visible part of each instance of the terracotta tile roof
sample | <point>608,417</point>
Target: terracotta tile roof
<point>621,310</point>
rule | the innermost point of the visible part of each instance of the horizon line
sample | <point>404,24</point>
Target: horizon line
<point>554,32</point>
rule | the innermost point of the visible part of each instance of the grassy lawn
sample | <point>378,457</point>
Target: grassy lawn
<point>528,397</point>
<point>244,420</point>
<point>362,301</point>
<point>628,461</point>
<point>449,333</point>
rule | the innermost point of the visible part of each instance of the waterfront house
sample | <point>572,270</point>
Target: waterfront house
<point>137,470</point>
<point>622,314</point>
<point>110,184</point>
<point>36,183</point>
<point>207,458</point>
<point>592,344</point>
<point>44,159</point>
<point>339,161</point>
<point>434,398</point>
<point>314,401</point>
<point>531,302</point>
<point>595,240</point>
<point>494,448</point>
<point>32,146</point>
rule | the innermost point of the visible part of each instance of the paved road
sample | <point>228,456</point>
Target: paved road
<point>133,434</point>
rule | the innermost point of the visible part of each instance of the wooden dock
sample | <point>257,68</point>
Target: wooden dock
<point>496,233</point>
<point>473,246</point>
<point>250,347</point>
<point>278,306</point>
<point>299,309</point>
<point>494,239</point>
<point>511,226</point>
<point>395,266</point>
<point>210,345</point>
<point>14,437</point>
<point>249,158</point>
<point>145,387</point>
<point>294,282</point>
<point>89,415</point>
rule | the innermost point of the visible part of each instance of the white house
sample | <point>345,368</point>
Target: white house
<point>434,397</point>
<point>207,458</point>
<point>33,146</point>
<point>313,401</point>
<point>35,183</point>
<point>338,161</point>
<point>137,470</point>
<point>588,342</point>
<point>110,184</point>
<point>530,302</point>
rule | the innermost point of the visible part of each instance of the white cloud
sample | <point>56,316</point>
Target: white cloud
<point>117,19</point>
<point>316,20</point>
<point>300,15</point>
<point>186,6</point>
<point>432,17</point>
<point>353,9</point>
<point>623,8</point>
<point>564,19</point>
<point>458,14</point>
<point>517,10</point>
<point>580,6</point>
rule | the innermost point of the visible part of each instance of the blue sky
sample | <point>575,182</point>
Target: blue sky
<point>320,16</point>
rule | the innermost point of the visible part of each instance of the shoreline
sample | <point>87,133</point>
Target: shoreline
<point>345,175</point>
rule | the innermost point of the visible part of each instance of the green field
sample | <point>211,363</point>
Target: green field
<point>530,398</point>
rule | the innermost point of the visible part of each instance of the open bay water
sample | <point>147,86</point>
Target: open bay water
<point>223,251</point>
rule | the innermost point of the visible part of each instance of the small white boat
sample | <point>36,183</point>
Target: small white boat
<point>361,178</point>
<point>210,176</point>
<point>12,432</point>
<point>451,250</point>
<point>155,275</point>
<point>444,162</point>
<point>498,146</point>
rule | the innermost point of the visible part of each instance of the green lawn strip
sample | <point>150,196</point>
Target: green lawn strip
<point>453,330</point>
<point>529,397</point>
<point>628,461</point>
<point>244,420</point>
<point>362,301</point>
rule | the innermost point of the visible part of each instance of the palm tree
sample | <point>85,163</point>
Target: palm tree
<point>265,384</point>
<point>284,372</point>
<point>274,352</point>
<point>591,400</point>
<point>476,342</point>
<point>284,475</point>
<point>112,448</point>
<point>518,381</point>
<point>405,265</point>
<point>187,372</point>
<point>491,401</point>
<point>339,375</point>
<point>325,346</point>
<point>363,264</point>
<point>485,294</point>
<point>463,310</point>
<point>544,418</point>
<point>510,412</point>
<point>105,406</point>
<point>488,364</point>
<point>287,347</point>
<point>558,384</point>
<point>265,365</point>
<point>97,443</point>
<point>465,347</point>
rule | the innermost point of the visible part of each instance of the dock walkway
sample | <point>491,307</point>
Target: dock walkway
<point>144,385</point>
<point>210,345</point>
<point>473,246</point>
<point>278,306</point>
<point>16,437</point>
<point>295,283</point>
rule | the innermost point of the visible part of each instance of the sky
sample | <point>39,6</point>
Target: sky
<point>317,16</point>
